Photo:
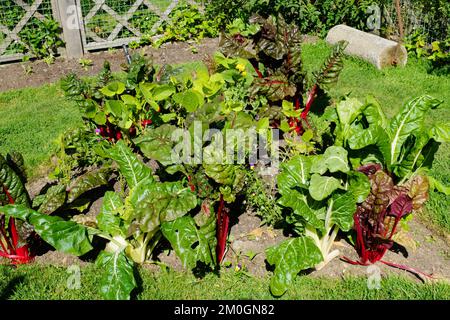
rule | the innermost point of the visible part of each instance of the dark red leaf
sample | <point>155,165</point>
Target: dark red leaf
<point>370,168</point>
<point>401,206</point>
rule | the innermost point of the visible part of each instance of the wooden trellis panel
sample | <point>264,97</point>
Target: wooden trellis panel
<point>81,37</point>
<point>92,41</point>
<point>13,35</point>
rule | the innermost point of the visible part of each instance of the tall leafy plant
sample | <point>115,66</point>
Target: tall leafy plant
<point>320,193</point>
<point>132,226</point>
<point>396,154</point>
<point>275,52</point>
<point>16,236</point>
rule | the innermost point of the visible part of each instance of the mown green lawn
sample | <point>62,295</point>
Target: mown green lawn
<point>47,283</point>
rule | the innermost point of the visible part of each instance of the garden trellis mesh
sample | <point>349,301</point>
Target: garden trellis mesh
<point>435,25</point>
<point>19,20</point>
<point>100,23</point>
<point>109,22</point>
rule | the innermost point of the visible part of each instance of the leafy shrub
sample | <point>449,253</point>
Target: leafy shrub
<point>437,53</point>
<point>40,38</point>
<point>311,17</point>
<point>186,22</point>
<point>43,38</point>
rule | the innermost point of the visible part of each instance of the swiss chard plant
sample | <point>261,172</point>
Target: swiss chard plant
<point>212,178</point>
<point>377,218</point>
<point>132,225</point>
<point>13,235</point>
<point>118,108</point>
<point>320,194</point>
<point>275,53</point>
<point>16,236</point>
<point>396,154</point>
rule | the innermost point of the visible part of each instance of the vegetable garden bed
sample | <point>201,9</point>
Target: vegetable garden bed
<point>348,173</point>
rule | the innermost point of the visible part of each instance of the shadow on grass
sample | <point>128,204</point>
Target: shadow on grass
<point>7,291</point>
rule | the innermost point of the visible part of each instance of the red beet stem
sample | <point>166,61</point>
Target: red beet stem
<point>222,230</point>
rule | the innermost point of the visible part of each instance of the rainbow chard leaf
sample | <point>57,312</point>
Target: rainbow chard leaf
<point>54,199</point>
<point>161,202</point>
<point>289,258</point>
<point>17,163</point>
<point>192,243</point>
<point>401,206</point>
<point>12,182</point>
<point>129,165</point>
<point>359,185</point>
<point>65,236</point>
<point>157,144</point>
<point>118,280</point>
<point>87,182</point>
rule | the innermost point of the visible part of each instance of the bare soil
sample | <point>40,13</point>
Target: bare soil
<point>13,76</point>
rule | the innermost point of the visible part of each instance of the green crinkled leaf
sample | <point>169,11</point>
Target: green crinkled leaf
<point>113,88</point>
<point>240,120</point>
<point>343,206</point>
<point>157,143</point>
<point>163,92</point>
<point>408,121</point>
<point>362,138</point>
<point>117,280</point>
<point>359,137</point>
<point>318,165</point>
<point>299,203</point>
<point>87,182</point>
<point>192,243</point>
<point>12,182</point>
<point>294,173</point>
<point>290,257</point>
<point>54,199</point>
<point>146,90</point>
<point>321,186</point>
<point>109,219</point>
<point>115,107</point>
<point>189,99</point>
<point>216,168</point>
<point>65,236</point>
<point>411,153</point>
<point>438,186</point>
<point>441,132</point>
<point>348,110</point>
<point>129,165</point>
<point>359,185</point>
<point>334,159</point>
<point>161,202</point>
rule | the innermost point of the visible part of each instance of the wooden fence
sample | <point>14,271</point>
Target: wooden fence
<point>85,24</point>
